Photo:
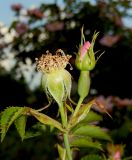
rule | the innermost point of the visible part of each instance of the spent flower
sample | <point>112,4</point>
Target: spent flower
<point>56,81</point>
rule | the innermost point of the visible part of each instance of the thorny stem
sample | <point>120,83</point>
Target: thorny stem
<point>65,135</point>
<point>78,106</point>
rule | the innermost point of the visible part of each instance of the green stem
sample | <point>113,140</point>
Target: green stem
<point>65,135</point>
<point>83,88</point>
<point>78,106</point>
<point>67,145</point>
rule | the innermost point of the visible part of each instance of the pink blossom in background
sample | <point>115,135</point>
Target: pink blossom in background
<point>107,103</point>
<point>118,21</point>
<point>122,102</point>
<point>55,26</point>
<point>16,7</point>
<point>21,28</point>
<point>37,13</point>
<point>115,151</point>
<point>117,156</point>
<point>84,49</point>
<point>109,40</point>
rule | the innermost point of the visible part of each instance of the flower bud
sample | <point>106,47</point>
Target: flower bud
<point>85,60</point>
<point>56,81</point>
<point>84,49</point>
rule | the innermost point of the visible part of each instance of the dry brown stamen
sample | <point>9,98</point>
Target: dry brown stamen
<point>48,63</point>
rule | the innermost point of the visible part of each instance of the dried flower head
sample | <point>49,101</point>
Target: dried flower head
<point>56,81</point>
<point>48,63</point>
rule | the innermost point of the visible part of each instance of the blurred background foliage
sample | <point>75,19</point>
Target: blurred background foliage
<point>50,27</point>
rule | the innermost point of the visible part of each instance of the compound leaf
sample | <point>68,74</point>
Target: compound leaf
<point>91,157</point>
<point>62,152</point>
<point>46,119</point>
<point>20,124</point>
<point>92,131</point>
<point>85,142</point>
<point>81,114</point>
<point>92,117</point>
<point>8,116</point>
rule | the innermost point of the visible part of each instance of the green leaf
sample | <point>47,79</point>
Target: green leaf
<point>20,124</point>
<point>39,126</point>
<point>46,119</point>
<point>92,117</point>
<point>92,131</point>
<point>36,130</point>
<point>82,113</point>
<point>62,152</point>
<point>32,134</point>
<point>8,116</point>
<point>127,158</point>
<point>92,157</point>
<point>85,142</point>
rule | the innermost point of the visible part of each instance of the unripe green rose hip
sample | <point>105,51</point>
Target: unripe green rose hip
<point>56,81</point>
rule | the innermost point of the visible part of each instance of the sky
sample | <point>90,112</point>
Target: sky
<point>6,14</point>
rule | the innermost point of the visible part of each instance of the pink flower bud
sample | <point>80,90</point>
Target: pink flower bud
<point>84,49</point>
<point>85,59</point>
